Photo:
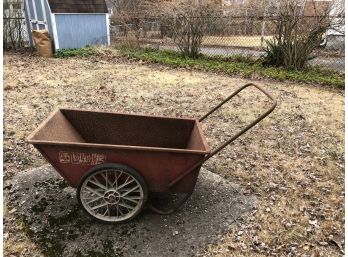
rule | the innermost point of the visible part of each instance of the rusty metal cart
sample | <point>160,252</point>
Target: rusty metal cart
<point>115,160</point>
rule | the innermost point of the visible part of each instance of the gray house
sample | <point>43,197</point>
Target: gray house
<point>71,23</point>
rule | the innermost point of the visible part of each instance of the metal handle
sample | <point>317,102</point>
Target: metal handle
<point>235,136</point>
<point>246,128</point>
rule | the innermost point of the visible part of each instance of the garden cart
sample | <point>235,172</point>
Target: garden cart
<point>116,160</point>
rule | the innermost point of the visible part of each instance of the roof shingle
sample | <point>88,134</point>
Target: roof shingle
<point>78,6</point>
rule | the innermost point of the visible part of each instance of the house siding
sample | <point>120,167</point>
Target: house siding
<point>26,12</point>
<point>30,15</point>
<point>39,11</point>
<point>31,11</point>
<point>80,30</point>
<point>48,17</point>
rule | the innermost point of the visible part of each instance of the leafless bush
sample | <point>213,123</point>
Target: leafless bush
<point>132,17</point>
<point>187,24</point>
<point>13,26</point>
<point>299,33</point>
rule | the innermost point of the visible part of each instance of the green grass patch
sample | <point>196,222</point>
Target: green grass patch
<point>83,52</point>
<point>236,65</point>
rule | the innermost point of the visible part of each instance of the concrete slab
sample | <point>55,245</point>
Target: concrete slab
<point>49,210</point>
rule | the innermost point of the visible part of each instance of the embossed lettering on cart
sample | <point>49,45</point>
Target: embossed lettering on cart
<point>81,158</point>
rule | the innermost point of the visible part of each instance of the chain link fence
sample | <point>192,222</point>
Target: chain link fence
<point>15,34</point>
<point>227,36</point>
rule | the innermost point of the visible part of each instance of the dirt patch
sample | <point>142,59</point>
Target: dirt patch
<point>293,161</point>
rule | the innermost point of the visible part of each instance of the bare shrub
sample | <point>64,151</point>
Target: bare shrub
<point>187,23</point>
<point>131,39</point>
<point>298,35</point>
<point>132,17</point>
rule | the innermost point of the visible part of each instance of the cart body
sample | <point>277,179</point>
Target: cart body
<point>159,148</point>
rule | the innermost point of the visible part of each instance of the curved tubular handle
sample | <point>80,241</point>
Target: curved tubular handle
<point>246,128</point>
<point>235,136</point>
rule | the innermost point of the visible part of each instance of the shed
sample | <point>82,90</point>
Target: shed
<point>71,23</point>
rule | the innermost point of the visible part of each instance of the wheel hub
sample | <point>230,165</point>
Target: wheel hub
<point>112,196</point>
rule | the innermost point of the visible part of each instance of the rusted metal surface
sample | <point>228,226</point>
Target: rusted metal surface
<point>167,152</point>
<point>159,148</point>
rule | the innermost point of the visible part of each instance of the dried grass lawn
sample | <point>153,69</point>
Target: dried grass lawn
<point>235,41</point>
<point>223,41</point>
<point>293,161</point>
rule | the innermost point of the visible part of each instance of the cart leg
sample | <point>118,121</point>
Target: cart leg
<point>162,203</point>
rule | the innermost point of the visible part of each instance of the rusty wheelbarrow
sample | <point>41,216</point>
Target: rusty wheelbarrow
<point>116,160</point>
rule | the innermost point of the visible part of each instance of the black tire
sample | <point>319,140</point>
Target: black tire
<point>111,196</point>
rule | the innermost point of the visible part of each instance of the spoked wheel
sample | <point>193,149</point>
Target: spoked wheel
<point>112,193</point>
